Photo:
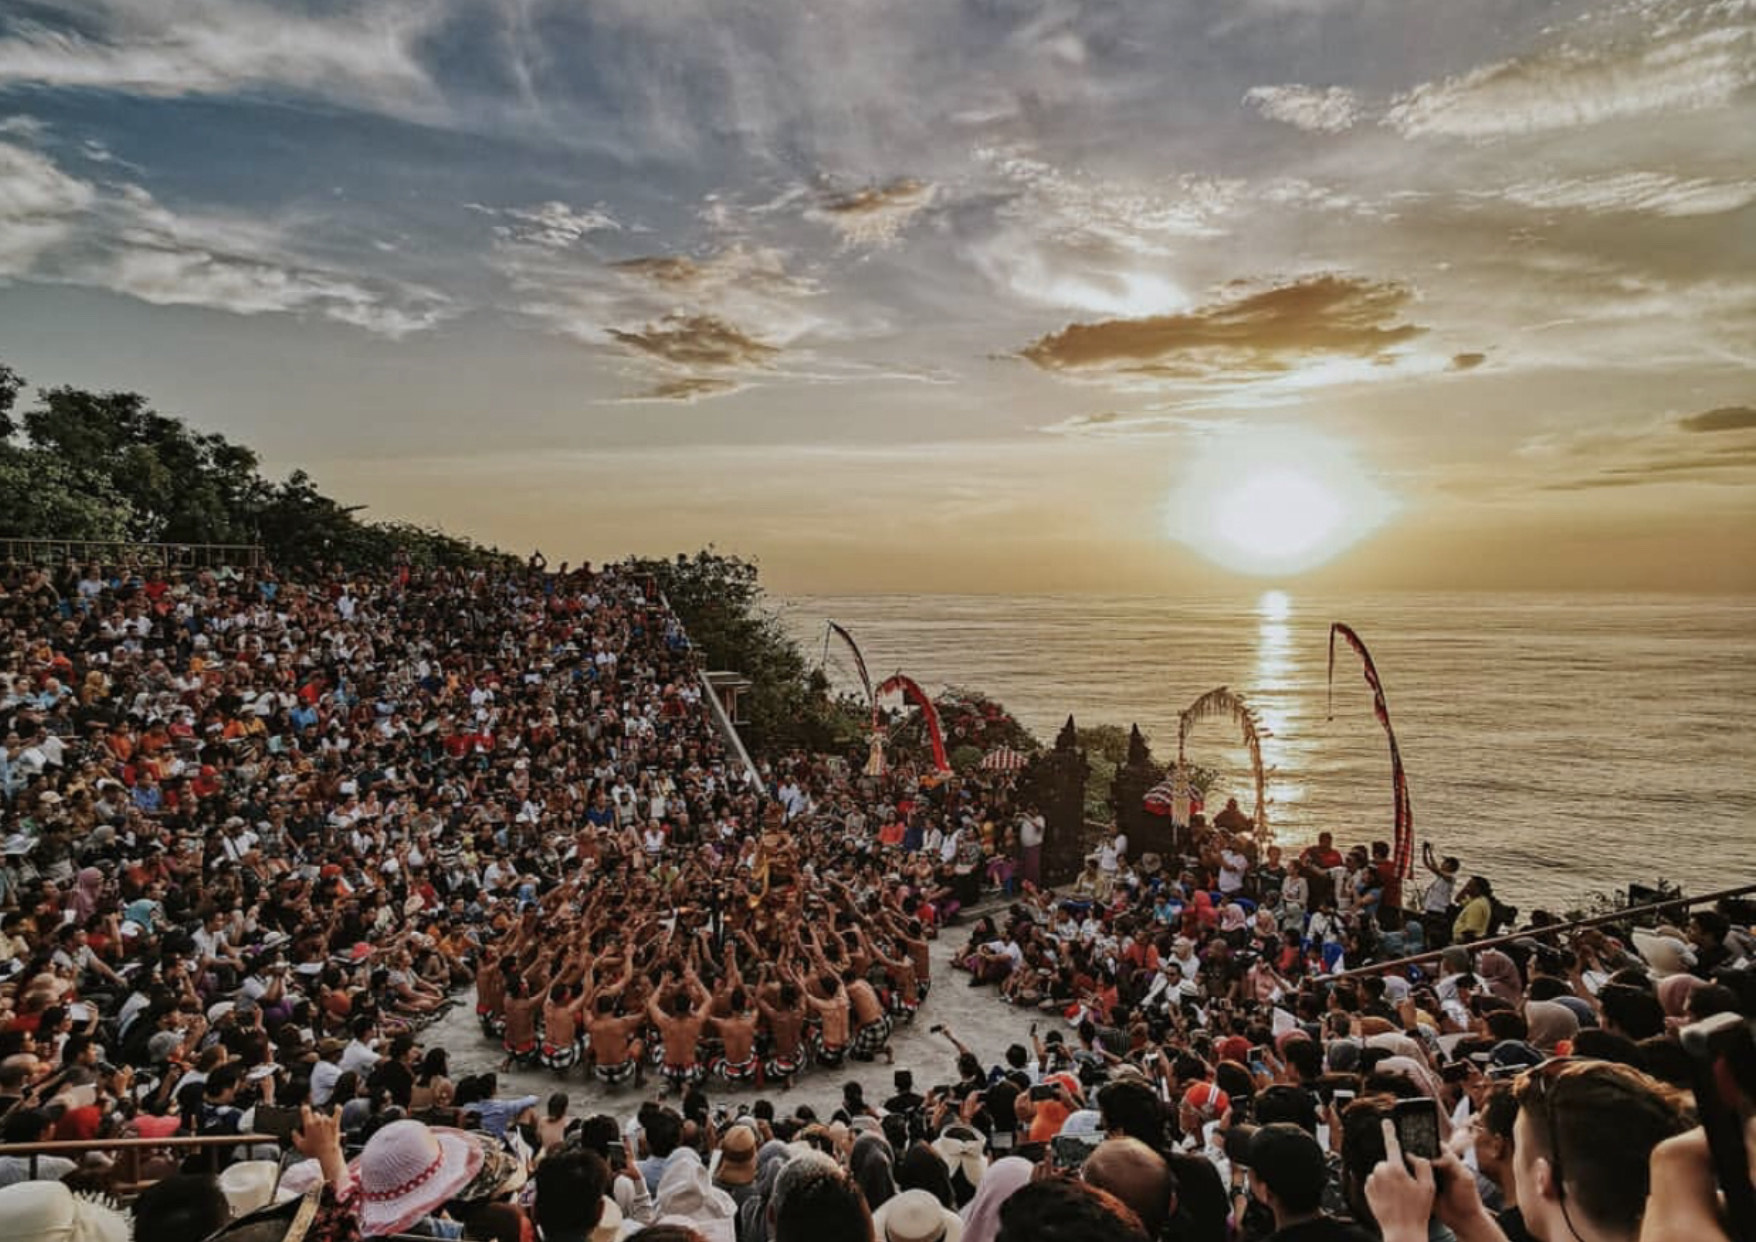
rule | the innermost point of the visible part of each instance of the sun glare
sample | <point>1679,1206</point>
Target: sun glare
<point>1268,501</point>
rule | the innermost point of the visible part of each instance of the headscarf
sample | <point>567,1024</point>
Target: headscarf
<point>922,1168</point>
<point>1549,1024</point>
<point>1500,973</point>
<point>86,892</point>
<point>687,1195</point>
<point>981,1218</point>
<point>870,1163</point>
<point>1674,992</point>
<point>1401,1046</point>
<point>1425,1081</point>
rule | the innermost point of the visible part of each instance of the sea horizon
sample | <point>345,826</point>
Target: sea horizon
<point>1528,724</point>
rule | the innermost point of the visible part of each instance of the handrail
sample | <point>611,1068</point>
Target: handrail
<point>46,548</point>
<point>1540,933</point>
<point>729,730</point>
<point>56,1147</point>
<point>127,1179</point>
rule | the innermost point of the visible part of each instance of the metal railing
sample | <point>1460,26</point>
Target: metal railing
<point>48,550</point>
<point>128,1153</point>
<point>1539,934</point>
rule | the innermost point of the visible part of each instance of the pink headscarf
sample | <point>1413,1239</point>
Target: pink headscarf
<point>981,1215</point>
<point>1674,992</point>
<point>86,893</point>
<point>1425,1081</point>
<point>1500,973</point>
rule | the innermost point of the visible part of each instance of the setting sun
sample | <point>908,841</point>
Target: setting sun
<point>1274,502</point>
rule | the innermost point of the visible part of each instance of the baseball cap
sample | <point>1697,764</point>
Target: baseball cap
<point>1207,1100</point>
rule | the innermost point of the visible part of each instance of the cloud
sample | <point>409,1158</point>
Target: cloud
<point>61,229</point>
<point>31,129</point>
<point>1077,208</point>
<point>688,389</point>
<point>1654,451</point>
<point>1676,67</point>
<point>1725,418</point>
<point>1467,362</point>
<point>1647,193</point>
<point>1251,335</point>
<point>39,207</point>
<point>875,215</point>
<point>173,48</point>
<point>1317,109</point>
<point>697,341</point>
<point>552,225</point>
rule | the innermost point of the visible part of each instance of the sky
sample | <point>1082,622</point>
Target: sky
<point>928,295</point>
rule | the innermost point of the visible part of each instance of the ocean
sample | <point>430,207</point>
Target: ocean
<point>1560,745</point>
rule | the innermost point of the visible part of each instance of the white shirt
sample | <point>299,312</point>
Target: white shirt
<point>324,1076</point>
<point>1232,866</point>
<point>357,1057</point>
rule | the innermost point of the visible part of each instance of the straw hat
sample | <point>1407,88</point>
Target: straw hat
<point>289,1220</point>
<point>737,1157</point>
<point>249,1185</point>
<point>410,1170</point>
<point>49,1212</point>
<point>502,1173</point>
<point>915,1216</point>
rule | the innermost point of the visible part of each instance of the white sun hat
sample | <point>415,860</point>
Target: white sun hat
<point>409,1170</point>
<point>49,1212</point>
<point>915,1216</point>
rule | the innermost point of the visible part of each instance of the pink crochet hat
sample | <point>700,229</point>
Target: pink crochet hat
<point>409,1170</point>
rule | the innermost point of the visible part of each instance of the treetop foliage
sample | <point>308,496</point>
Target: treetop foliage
<point>84,465</point>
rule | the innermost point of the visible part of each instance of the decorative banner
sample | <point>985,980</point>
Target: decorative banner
<point>859,660</point>
<point>1222,702</point>
<point>1405,815</point>
<point>1004,759</point>
<point>918,697</point>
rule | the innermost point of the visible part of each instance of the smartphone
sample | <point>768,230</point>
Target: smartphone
<point>1343,1097</point>
<point>936,1029</point>
<point>1071,1150</point>
<point>1043,1091</point>
<point>617,1154</point>
<point>1417,1127</point>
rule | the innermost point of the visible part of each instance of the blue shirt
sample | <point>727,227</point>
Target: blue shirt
<point>496,1115</point>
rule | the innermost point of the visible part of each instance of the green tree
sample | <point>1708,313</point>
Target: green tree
<point>40,494</point>
<point>109,466</point>
<point>720,601</point>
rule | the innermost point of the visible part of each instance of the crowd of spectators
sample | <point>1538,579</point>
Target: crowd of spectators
<point>258,835</point>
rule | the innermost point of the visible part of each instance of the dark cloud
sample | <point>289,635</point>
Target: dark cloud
<point>874,199</point>
<point>874,215</point>
<point>667,270</point>
<point>697,341</point>
<point>1725,418</point>
<point>1255,334</point>
<point>689,388</point>
<point>1467,362</point>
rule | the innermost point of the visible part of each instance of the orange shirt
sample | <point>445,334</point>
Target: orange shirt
<point>1050,1116</point>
